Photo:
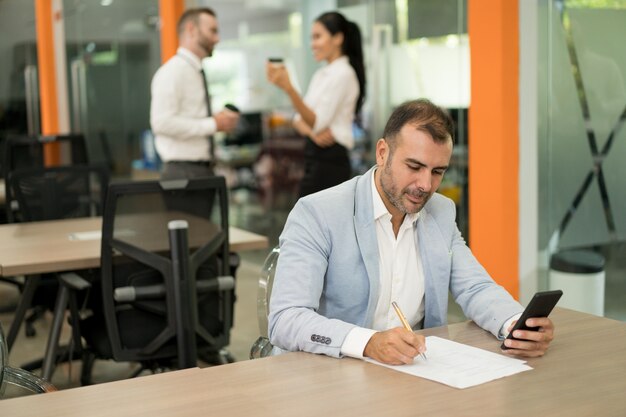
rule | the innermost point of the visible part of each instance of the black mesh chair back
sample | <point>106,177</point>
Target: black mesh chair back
<point>142,302</point>
<point>21,152</point>
<point>59,192</point>
<point>51,194</point>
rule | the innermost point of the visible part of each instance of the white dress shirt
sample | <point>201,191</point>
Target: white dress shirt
<point>178,110</point>
<point>332,96</point>
<point>401,277</point>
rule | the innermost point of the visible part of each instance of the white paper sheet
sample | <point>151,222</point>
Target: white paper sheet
<point>459,365</point>
<point>97,234</point>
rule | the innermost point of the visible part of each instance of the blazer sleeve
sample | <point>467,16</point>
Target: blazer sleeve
<point>294,321</point>
<point>483,301</point>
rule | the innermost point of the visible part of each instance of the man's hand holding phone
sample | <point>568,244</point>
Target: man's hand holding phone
<point>530,336</point>
<point>530,343</point>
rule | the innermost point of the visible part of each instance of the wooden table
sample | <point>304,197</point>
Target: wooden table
<point>583,374</point>
<point>47,246</point>
<point>39,247</point>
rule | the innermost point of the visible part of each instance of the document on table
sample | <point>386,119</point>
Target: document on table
<point>459,365</point>
<point>97,234</point>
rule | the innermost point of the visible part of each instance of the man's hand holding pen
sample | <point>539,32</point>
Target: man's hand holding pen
<point>396,346</point>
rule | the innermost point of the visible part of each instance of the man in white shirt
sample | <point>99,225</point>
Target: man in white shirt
<point>348,252</point>
<point>180,109</point>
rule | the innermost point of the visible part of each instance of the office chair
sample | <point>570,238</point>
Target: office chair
<point>167,291</point>
<point>20,378</point>
<point>262,346</point>
<point>47,194</point>
<point>24,152</point>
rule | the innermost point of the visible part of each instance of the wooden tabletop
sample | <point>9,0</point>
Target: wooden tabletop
<point>583,374</point>
<point>38,247</point>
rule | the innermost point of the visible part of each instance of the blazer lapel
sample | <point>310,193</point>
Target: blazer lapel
<point>435,257</point>
<point>365,229</point>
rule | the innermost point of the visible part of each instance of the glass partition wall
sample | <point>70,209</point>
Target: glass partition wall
<point>112,50</point>
<point>582,136</point>
<point>19,98</point>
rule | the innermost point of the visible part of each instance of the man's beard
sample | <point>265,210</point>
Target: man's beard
<point>395,197</point>
<point>206,46</point>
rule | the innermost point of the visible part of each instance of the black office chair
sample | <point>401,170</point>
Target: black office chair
<point>46,194</point>
<point>167,298</point>
<point>25,152</point>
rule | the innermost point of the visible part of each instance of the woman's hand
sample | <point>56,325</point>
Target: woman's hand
<point>277,75</point>
<point>324,139</point>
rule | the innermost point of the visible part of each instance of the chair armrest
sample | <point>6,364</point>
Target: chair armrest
<point>74,281</point>
<point>130,293</point>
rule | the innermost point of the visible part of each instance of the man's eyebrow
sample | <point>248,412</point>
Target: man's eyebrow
<point>416,162</point>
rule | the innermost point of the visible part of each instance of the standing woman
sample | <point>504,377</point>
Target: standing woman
<point>334,98</point>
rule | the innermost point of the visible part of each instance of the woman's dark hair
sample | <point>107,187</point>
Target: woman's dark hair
<point>335,23</point>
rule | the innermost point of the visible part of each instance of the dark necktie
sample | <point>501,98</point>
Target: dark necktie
<point>207,97</point>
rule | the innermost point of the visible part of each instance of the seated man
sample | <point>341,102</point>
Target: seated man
<point>348,252</point>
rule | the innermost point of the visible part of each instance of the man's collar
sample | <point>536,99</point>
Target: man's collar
<point>190,57</point>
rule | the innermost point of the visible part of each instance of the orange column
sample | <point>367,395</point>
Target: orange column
<point>494,138</point>
<point>169,12</point>
<point>47,77</point>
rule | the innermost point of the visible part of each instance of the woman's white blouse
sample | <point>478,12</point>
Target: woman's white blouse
<point>332,95</point>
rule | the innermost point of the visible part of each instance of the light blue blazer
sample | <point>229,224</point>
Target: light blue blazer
<point>327,278</point>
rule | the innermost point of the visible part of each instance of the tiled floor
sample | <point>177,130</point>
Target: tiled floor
<point>245,331</point>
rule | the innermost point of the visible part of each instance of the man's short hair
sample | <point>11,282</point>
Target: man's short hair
<point>425,116</point>
<point>192,15</point>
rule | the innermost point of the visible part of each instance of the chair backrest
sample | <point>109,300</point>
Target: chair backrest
<point>19,377</point>
<point>139,283</point>
<point>23,152</point>
<point>59,192</point>
<point>262,346</point>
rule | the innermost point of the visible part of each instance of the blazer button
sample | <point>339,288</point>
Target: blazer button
<point>327,341</point>
<point>313,338</point>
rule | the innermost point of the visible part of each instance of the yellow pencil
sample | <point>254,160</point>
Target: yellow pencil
<point>404,322</point>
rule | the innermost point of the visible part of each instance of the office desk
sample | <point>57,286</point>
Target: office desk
<point>40,247</point>
<point>583,374</point>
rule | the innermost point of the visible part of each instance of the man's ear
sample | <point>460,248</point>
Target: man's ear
<point>382,151</point>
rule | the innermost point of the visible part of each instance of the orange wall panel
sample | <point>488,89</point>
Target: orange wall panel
<point>47,77</point>
<point>494,138</point>
<point>169,11</point>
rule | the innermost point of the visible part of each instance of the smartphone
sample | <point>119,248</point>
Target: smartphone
<point>276,62</point>
<point>540,306</point>
<point>231,107</point>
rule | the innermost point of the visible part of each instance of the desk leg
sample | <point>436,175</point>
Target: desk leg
<point>30,286</point>
<point>55,333</point>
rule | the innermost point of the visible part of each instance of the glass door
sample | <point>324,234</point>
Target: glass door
<point>112,50</point>
<point>19,99</point>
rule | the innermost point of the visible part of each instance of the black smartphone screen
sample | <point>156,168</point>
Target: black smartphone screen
<point>541,305</point>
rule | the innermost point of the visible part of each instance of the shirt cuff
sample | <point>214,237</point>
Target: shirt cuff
<point>503,333</point>
<point>210,125</point>
<point>355,342</point>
